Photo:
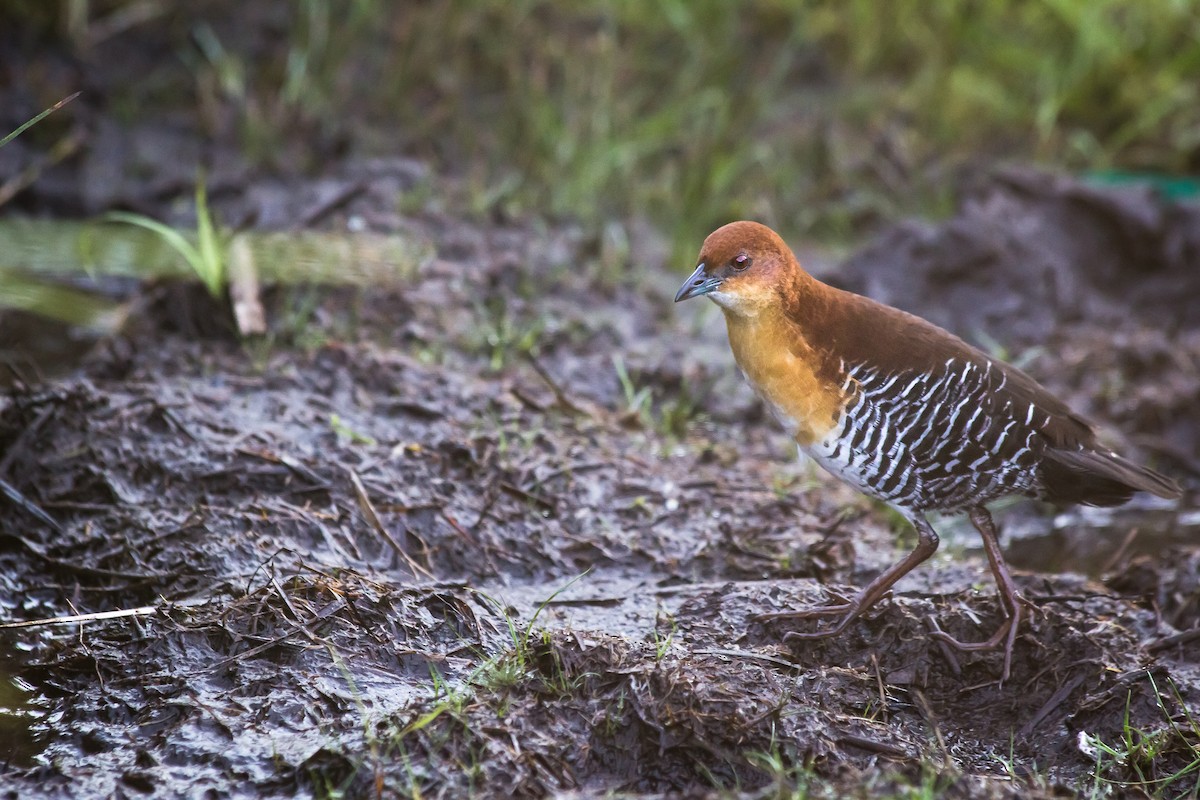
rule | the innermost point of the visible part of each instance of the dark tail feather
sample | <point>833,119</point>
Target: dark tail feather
<point>1099,479</point>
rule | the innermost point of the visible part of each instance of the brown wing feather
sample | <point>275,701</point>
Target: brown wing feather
<point>1099,478</point>
<point>1075,468</point>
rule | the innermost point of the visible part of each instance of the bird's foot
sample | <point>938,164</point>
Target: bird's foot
<point>1006,633</point>
<point>974,647</point>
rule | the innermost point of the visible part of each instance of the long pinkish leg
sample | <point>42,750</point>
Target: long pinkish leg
<point>1009,596</point>
<point>927,544</point>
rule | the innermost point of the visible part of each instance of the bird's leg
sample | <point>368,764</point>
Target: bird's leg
<point>927,543</point>
<point>1011,599</point>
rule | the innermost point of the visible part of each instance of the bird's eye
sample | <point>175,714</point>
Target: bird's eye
<point>740,262</point>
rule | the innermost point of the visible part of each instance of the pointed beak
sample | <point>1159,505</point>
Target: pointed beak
<point>699,283</point>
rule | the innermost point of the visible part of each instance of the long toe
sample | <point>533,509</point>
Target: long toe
<point>808,636</point>
<point>1006,633</point>
<point>974,647</point>
<point>852,614</point>
<point>806,613</point>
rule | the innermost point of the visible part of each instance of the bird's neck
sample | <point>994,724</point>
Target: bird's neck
<point>776,351</point>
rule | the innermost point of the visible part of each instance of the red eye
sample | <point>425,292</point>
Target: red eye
<point>740,262</point>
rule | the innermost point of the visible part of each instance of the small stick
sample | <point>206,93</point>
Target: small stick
<point>926,711</point>
<point>1054,702</point>
<point>368,509</point>
<point>1170,641</point>
<point>525,494</point>
<point>1119,555</point>
<point>244,290</point>
<point>99,615</point>
<point>947,653</point>
<point>327,206</point>
<point>14,494</point>
<point>747,654</point>
<point>879,683</point>
<point>570,469</point>
<point>559,395</point>
<point>872,746</point>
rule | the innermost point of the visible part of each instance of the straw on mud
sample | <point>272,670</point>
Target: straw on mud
<point>99,615</point>
<point>14,494</point>
<point>560,394</point>
<point>368,509</point>
<point>947,653</point>
<point>1170,641</point>
<point>873,746</point>
<point>525,494</point>
<point>244,289</point>
<point>24,438</point>
<point>749,655</point>
<point>328,610</point>
<point>287,602</point>
<point>1056,699</point>
<point>326,206</point>
<point>1119,555</point>
<point>926,711</point>
<point>571,469</point>
<point>883,708</point>
<point>83,569</point>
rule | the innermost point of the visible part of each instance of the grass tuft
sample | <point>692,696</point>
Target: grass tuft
<point>206,257</point>
<point>820,117</point>
<point>1162,761</point>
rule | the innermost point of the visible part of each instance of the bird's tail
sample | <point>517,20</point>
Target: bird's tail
<point>1099,478</point>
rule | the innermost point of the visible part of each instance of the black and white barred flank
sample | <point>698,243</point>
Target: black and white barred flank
<point>964,435</point>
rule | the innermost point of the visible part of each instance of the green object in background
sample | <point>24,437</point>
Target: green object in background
<point>64,304</point>
<point>1172,187</point>
<point>36,254</point>
<point>52,247</point>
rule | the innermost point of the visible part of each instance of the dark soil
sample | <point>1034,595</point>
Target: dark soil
<point>424,541</point>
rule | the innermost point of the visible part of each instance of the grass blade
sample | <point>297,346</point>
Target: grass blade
<point>29,124</point>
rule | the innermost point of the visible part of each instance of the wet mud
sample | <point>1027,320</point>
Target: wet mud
<point>505,530</point>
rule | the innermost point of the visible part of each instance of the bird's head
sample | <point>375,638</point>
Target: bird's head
<point>741,267</point>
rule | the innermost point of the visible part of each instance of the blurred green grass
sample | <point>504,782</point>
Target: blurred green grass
<point>821,117</point>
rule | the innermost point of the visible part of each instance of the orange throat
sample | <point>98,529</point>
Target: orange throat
<point>783,368</point>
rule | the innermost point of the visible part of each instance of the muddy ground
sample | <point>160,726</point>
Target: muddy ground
<point>427,541</point>
<point>502,529</point>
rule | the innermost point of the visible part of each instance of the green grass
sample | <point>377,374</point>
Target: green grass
<point>1159,761</point>
<point>207,257</point>
<point>816,116</point>
<point>669,416</point>
<point>821,117</point>
<point>29,123</point>
<point>515,664</point>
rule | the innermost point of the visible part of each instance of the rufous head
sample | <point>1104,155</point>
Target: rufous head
<point>741,268</point>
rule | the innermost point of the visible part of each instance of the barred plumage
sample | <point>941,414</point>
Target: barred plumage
<point>924,442</point>
<point>902,410</point>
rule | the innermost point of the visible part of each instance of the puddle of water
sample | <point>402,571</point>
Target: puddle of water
<point>19,745</point>
<point>1097,541</point>
<point>1086,540</point>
